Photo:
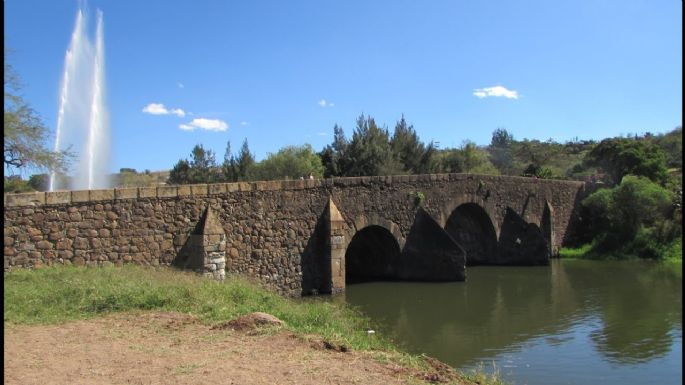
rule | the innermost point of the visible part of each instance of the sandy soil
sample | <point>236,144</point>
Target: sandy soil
<point>173,348</point>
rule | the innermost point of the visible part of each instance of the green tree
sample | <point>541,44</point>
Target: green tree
<point>180,173</point>
<point>14,184</point>
<point>39,182</point>
<point>622,156</point>
<point>622,218</point>
<point>25,134</point>
<point>202,165</point>
<point>334,156</point>
<point>536,154</point>
<point>408,149</point>
<point>229,167</point>
<point>672,145</point>
<point>369,151</point>
<point>245,163</point>
<point>291,162</point>
<point>500,150</point>
<point>468,158</point>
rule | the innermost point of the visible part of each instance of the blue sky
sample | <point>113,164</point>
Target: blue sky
<point>284,72</point>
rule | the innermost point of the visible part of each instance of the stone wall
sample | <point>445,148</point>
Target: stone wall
<point>283,233</point>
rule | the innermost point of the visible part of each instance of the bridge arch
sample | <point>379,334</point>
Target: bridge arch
<point>470,225</point>
<point>372,254</point>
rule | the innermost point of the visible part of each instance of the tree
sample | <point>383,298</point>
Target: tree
<point>245,162</point>
<point>500,150</point>
<point>369,151</point>
<point>290,162</point>
<point>334,156</point>
<point>468,158</point>
<point>202,165</point>
<point>630,217</point>
<point>622,156</point>
<point>672,145</point>
<point>25,134</point>
<point>408,149</point>
<point>180,174</point>
<point>14,184</point>
<point>229,168</point>
<point>39,182</point>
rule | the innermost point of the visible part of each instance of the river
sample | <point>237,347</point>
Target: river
<point>573,322</point>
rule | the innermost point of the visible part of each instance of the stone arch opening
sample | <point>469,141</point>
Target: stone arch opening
<point>470,226</point>
<point>373,254</point>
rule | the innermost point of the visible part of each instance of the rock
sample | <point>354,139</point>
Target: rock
<point>250,322</point>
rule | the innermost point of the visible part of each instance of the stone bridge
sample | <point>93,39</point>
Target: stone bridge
<point>303,236</point>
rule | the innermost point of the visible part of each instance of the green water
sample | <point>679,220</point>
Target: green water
<point>573,322</point>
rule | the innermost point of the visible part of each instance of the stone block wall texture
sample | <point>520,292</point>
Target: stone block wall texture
<point>284,233</point>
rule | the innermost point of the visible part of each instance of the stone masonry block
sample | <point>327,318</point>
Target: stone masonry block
<point>198,190</point>
<point>244,186</point>
<point>147,192</point>
<point>58,197</point>
<point>167,191</point>
<point>80,196</point>
<point>312,183</point>
<point>260,185</point>
<point>274,185</point>
<point>102,195</point>
<point>231,187</point>
<point>28,199</point>
<point>126,193</point>
<point>183,191</point>
<point>217,188</point>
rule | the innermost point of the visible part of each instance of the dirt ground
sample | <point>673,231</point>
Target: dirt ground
<point>173,348</point>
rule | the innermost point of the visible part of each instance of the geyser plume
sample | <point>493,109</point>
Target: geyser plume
<point>82,120</point>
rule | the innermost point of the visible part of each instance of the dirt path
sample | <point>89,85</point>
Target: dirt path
<point>173,348</point>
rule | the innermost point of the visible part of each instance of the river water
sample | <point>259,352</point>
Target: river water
<point>573,322</point>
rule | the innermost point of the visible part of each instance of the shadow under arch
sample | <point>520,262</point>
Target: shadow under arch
<point>470,226</point>
<point>373,254</point>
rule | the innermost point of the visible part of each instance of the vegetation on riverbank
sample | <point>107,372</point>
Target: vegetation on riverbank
<point>59,294</point>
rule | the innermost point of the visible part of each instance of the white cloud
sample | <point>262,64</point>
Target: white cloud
<point>205,124</point>
<point>178,112</point>
<point>159,109</point>
<point>323,103</point>
<point>496,91</point>
<point>155,109</point>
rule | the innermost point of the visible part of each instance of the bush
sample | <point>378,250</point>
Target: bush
<point>634,218</point>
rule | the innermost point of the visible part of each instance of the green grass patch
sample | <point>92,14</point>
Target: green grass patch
<point>578,252</point>
<point>59,294</point>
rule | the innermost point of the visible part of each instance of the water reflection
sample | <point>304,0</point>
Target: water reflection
<point>625,313</point>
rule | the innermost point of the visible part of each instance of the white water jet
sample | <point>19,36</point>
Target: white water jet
<point>82,120</point>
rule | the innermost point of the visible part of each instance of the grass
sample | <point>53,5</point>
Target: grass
<point>579,252</point>
<point>60,294</point>
<point>480,376</point>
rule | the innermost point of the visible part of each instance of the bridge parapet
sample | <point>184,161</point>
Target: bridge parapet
<point>270,226</point>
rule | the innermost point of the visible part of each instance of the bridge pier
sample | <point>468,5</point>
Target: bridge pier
<point>337,246</point>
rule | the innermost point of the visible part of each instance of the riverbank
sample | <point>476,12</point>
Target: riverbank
<point>160,325</point>
<point>671,257</point>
